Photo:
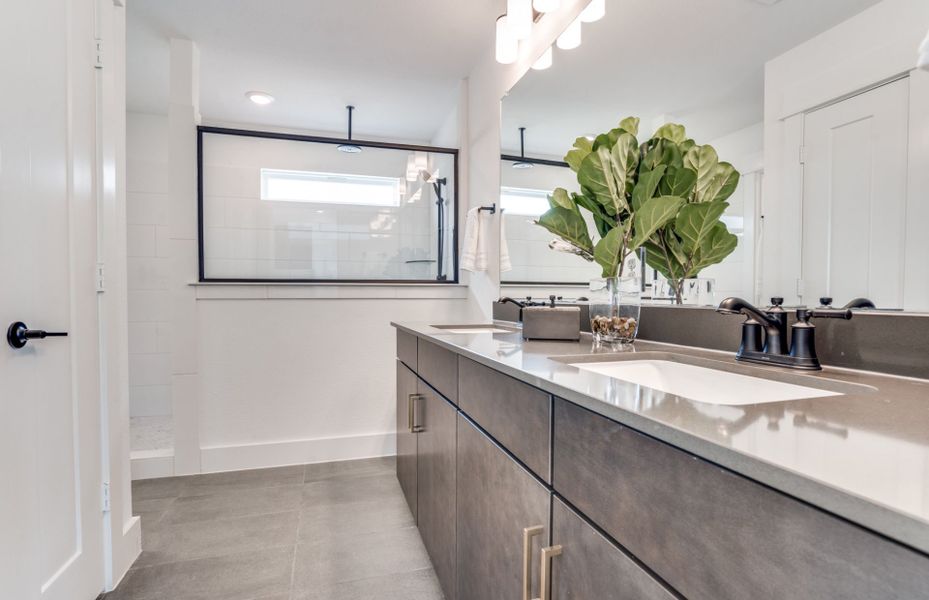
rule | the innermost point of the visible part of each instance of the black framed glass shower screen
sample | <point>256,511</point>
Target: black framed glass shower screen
<point>289,208</point>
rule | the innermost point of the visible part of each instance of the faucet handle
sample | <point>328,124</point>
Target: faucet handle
<point>830,313</point>
<point>777,301</point>
<point>825,302</point>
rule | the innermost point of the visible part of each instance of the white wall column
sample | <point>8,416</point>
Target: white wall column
<point>183,118</point>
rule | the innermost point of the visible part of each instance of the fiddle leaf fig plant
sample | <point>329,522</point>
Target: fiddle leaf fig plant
<point>666,195</point>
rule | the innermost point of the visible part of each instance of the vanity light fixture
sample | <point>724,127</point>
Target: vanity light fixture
<point>570,38</point>
<point>260,98</point>
<point>546,6</point>
<point>519,18</point>
<point>594,11</point>
<point>923,62</point>
<point>349,148</point>
<point>507,47</point>
<point>544,61</point>
<point>522,164</point>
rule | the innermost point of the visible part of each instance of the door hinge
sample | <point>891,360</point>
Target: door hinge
<point>800,288</point>
<point>98,50</point>
<point>100,277</point>
<point>801,155</point>
<point>106,497</point>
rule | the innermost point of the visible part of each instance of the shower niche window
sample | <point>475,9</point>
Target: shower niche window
<point>288,208</point>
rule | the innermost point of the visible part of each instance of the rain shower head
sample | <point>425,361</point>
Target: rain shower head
<point>349,148</point>
<point>522,164</point>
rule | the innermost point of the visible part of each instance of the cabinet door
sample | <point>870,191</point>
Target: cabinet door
<point>406,439</point>
<point>436,424</point>
<point>497,500</point>
<point>590,567</point>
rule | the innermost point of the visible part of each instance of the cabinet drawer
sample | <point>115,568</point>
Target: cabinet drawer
<point>439,368</point>
<point>590,567</point>
<point>712,534</point>
<point>515,414</point>
<point>406,348</point>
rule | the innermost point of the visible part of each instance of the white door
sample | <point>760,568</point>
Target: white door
<point>51,519</point>
<point>854,197</point>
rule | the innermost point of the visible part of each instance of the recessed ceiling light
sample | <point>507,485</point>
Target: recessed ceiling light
<point>260,98</point>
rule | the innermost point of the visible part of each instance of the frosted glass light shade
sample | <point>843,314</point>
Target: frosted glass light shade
<point>544,6</point>
<point>544,61</point>
<point>594,11</point>
<point>570,38</point>
<point>519,18</point>
<point>507,47</point>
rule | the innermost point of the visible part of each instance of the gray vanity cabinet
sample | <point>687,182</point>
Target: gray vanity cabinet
<point>438,367</point>
<point>497,500</point>
<point>591,567</point>
<point>436,425</point>
<point>715,535</point>
<point>407,383</point>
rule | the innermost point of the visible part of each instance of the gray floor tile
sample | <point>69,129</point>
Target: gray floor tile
<point>204,539</point>
<point>152,489</point>
<point>233,504</point>
<point>214,483</point>
<point>350,558</point>
<point>418,585</point>
<point>355,489</point>
<point>330,520</point>
<point>244,576</point>
<point>350,468</point>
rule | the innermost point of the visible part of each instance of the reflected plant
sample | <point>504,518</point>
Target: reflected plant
<point>666,195</point>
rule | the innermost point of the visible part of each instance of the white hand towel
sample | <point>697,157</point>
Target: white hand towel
<point>474,253</point>
<point>923,62</point>
<point>505,264</point>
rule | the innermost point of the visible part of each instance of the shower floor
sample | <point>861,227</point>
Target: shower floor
<point>151,436</point>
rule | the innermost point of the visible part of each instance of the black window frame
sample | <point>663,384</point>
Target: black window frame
<point>204,129</point>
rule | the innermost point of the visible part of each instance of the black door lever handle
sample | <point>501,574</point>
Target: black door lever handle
<point>18,334</point>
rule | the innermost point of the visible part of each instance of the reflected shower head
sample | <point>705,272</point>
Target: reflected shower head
<point>522,164</point>
<point>349,148</point>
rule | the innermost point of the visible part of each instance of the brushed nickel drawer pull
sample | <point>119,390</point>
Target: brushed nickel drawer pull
<point>528,534</point>
<point>411,419</point>
<point>545,571</point>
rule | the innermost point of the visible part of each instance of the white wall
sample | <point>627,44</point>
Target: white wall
<point>148,264</point>
<point>876,45</point>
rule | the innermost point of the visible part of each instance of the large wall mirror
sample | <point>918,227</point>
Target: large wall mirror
<point>820,125</point>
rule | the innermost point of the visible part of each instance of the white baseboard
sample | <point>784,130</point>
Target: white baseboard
<point>296,452</point>
<point>149,465</point>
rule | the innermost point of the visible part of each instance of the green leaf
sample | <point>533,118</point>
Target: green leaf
<point>646,186</point>
<point>703,160</point>
<point>574,157</point>
<point>602,220</point>
<point>714,249</point>
<point>561,198</point>
<point>661,152</point>
<point>656,256</point>
<point>672,132</point>
<point>654,214</point>
<point>624,159</point>
<point>609,252</point>
<point>725,181</point>
<point>630,125</point>
<point>598,176</point>
<point>679,181</point>
<point>569,225</point>
<point>695,222</point>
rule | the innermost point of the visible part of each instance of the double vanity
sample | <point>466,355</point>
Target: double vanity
<point>554,470</point>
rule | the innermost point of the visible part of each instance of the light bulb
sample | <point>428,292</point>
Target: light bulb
<point>260,98</point>
<point>507,45</point>
<point>545,6</point>
<point>519,18</point>
<point>570,38</point>
<point>544,61</point>
<point>594,11</point>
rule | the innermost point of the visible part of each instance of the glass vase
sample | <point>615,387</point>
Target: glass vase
<point>615,306</point>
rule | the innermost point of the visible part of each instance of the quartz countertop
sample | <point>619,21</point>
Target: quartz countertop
<point>863,455</point>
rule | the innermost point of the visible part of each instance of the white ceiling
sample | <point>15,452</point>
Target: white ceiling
<point>398,62</point>
<point>700,61</point>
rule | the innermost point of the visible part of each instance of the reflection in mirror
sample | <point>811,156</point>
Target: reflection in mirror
<point>773,89</point>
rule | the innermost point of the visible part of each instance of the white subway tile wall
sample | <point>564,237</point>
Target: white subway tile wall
<point>148,265</point>
<point>246,237</point>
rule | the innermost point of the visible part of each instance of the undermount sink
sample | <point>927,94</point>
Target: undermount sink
<point>709,381</point>
<point>487,328</point>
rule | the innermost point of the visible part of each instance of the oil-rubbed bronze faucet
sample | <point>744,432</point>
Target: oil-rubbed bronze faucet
<point>801,353</point>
